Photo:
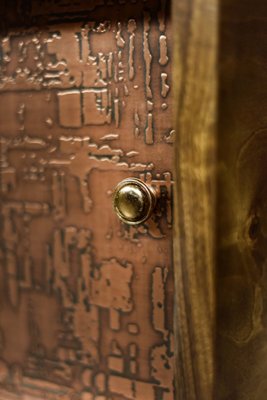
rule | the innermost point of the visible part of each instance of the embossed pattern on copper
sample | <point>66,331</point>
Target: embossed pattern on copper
<point>85,301</point>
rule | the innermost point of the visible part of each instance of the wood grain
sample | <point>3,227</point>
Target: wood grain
<point>242,239</point>
<point>194,73</point>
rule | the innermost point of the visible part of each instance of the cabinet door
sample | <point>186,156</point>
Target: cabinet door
<point>86,301</point>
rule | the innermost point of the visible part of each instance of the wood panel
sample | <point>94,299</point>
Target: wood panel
<point>241,289</point>
<point>86,302</point>
<point>195,86</point>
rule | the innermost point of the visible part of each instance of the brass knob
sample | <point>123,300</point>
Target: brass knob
<point>134,201</point>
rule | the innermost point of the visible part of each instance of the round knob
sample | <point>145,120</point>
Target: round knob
<point>134,201</point>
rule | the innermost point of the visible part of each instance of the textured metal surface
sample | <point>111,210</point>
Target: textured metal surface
<point>85,301</point>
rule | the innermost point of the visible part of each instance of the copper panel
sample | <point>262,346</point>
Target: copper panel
<point>85,101</point>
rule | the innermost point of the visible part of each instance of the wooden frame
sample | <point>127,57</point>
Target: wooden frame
<point>195,77</point>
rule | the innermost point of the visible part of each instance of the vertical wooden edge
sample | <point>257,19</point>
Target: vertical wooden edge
<point>195,30</point>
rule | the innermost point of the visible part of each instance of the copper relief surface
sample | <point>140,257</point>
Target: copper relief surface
<point>85,301</point>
